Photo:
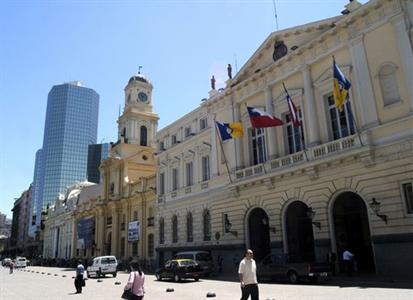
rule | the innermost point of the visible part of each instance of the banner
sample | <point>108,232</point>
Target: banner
<point>133,231</point>
<point>85,231</point>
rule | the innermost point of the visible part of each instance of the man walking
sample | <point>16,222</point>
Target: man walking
<point>79,281</point>
<point>247,272</point>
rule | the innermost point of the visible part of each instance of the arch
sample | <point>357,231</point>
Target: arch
<point>258,232</point>
<point>144,136</point>
<point>298,233</point>
<point>350,229</point>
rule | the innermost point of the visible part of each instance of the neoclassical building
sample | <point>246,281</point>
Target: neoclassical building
<point>341,180</point>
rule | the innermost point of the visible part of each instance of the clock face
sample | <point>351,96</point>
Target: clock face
<point>142,97</point>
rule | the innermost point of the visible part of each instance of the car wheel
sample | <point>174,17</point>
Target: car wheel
<point>177,278</point>
<point>292,277</point>
<point>196,278</point>
<point>114,275</point>
<point>158,277</point>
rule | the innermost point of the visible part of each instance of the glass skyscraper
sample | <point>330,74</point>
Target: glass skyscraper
<point>71,125</point>
<point>96,154</point>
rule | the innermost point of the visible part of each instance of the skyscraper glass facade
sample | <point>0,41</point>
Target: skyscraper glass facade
<point>36,207</point>
<point>71,125</point>
<point>96,154</point>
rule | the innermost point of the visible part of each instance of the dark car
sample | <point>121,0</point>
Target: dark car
<point>178,269</point>
<point>281,267</point>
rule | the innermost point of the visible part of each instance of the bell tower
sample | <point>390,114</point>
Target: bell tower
<point>138,123</point>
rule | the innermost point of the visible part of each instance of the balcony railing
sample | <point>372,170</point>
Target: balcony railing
<point>311,154</point>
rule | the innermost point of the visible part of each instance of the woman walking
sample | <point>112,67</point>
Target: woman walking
<point>136,281</point>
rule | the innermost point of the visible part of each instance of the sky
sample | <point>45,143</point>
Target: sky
<point>179,44</point>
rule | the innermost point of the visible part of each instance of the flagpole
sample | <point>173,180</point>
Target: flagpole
<point>223,152</point>
<point>301,127</point>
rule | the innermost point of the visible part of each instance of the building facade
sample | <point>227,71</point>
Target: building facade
<point>96,154</point>
<point>341,180</point>
<point>70,126</point>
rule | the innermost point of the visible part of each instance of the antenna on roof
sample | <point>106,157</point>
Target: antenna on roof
<point>275,15</point>
<point>139,69</point>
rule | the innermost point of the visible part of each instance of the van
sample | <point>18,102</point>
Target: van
<point>21,262</point>
<point>202,258</point>
<point>102,265</point>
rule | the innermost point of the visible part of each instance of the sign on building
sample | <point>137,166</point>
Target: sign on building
<point>133,231</point>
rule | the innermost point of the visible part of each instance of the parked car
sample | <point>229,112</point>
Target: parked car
<point>102,265</point>
<point>21,262</point>
<point>202,258</point>
<point>178,269</point>
<point>279,267</point>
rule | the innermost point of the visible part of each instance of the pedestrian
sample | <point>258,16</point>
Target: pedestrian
<point>247,272</point>
<point>11,267</point>
<point>331,259</point>
<point>136,281</point>
<point>348,261</point>
<point>79,280</point>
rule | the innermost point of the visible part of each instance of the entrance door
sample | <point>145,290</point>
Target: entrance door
<point>259,233</point>
<point>352,230</point>
<point>300,238</point>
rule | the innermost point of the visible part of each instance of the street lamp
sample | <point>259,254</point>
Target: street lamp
<point>311,214</point>
<point>375,206</point>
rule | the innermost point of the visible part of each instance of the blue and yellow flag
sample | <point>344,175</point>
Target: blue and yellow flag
<point>341,87</point>
<point>230,130</point>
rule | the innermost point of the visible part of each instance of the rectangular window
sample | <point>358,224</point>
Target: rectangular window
<point>295,135</point>
<point>175,178</point>
<point>162,183</point>
<point>161,146</point>
<point>189,174</point>
<point>258,147</point>
<point>122,247</point>
<point>174,140</point>
<point>187,131</point>
<point>408,196</point>
<point>342,122</point>
<point>203,123</point>
<point>205,168</point>
<point>109,220</point>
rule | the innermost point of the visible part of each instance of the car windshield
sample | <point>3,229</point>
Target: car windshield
<point>187,263</point>
<point>184,256</point>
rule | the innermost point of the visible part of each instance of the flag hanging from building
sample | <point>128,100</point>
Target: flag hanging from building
<point>230,130</point>
<point>262,119</point>
<point>341,87</point>
<point>293,109</point>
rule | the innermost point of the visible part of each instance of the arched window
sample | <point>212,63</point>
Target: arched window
<point>189,228</point>
<point>388,84</point>
<point>144,136</point>
<point>207,225</point>
<point>174,229</point>
<point>161,231</point>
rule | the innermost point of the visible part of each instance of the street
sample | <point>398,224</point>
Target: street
<point>57,283</point>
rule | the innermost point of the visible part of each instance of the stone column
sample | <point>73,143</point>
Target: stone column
<point>366,101</point>
<point>74,243</point>
<point>196,167</point>
<point>271,131</point>
<point>181,172</point>
<point>311,119</point>
<point>406,55</point>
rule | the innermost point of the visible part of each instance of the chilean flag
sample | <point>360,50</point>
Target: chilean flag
<point>261,119</point>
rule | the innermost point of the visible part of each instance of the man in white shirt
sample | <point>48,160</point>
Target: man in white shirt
<point>247,272</point>
<point>348,261</point>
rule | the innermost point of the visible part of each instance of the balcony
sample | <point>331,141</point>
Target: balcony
<point>309,155</point>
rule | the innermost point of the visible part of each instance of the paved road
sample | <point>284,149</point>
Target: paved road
<point>32,284</point>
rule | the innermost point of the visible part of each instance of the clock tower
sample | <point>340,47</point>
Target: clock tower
<point>138,123</point>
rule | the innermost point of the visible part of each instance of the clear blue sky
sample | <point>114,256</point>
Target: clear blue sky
<point>180,44</point>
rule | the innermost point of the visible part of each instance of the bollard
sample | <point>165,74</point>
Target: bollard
<point>168,290</point>
<point>100,280</point>
<point>117,283</point>
<point>63,275</point>
<point>210,295</point>
<point>56,275</point>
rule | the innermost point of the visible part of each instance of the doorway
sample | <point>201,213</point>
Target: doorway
<point>259,233</point>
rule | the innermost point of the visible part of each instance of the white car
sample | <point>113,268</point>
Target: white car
<point>103,265</point>
<point>21,262</point>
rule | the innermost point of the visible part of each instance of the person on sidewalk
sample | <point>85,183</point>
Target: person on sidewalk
<point>348,261</point>
<point>247,272</point>
<point>136,281</point>
<point>80,271</point>
<point>11,266</point>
